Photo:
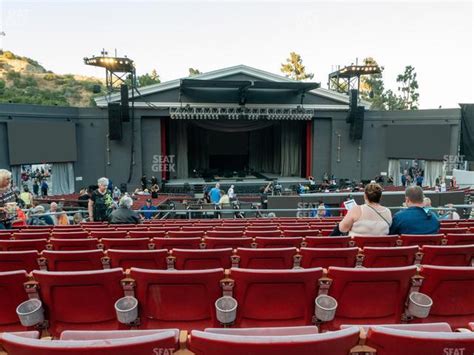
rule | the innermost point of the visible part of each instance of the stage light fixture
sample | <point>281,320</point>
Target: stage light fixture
<point>116,64</point>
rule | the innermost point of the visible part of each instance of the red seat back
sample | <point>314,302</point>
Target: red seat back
<point>147,259</point>
<point>413,239</point>
<point>266,258</point>
<point>327,242</point>
<point>19,260</point>
<point>147,234</point>
<point>12,293</point>
<point>263,233</point>
<point>460,239</point>
<point>448,255</point>
<point>390,256</point>
<point>216,243</point>
<point>186,234</point>
<point>326,257</point>
<point>78,260</point>
<point>19,245</point>
<point>126,243</point>
<point>31,235</point>
<point>74,244</point>
<point>189,259</point>
<point>278,242</point>
<point>69,235</point>
<point>108,234</point>
<point>225,234</point>
<point>171,243</point>
<point>376,241</point>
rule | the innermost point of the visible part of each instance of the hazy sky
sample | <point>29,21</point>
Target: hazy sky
<point>171,36</point>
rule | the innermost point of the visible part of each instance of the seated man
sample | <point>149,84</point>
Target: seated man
<point>124,214</point>
<point>148,207</point>
<point>415,219</point>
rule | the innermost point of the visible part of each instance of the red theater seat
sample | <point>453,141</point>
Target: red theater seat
<point>271,298</point>
<point>147,259</point>
<point>369,296</point>
<point>12,293</point>
<point>181,299</point>
<point>127,243</point>
<point>225,234</point>
<point>81,300</point>
<point>184,234</point>
<point>74,244</point>
<point>336,343</point>
<point>388,341</point>
<point>31,235</point>
<point>448,255</point>
<point>390,256</point>
<point>20,245</point>
<point>216,243</point>
<point>376,241</point>
<point>69,235</point>
<point>327,242</point>
<point>412,239</point>
<point>171,243</point>
<point>443,230</point>
<point>108,234</point>
<point>301,233</point>
<point>278,242</point>
<point>266,258</point>
<point>325,257</point>
<point>264,233</point>
<point>19,260</point>
<point>452,290</point>
<point>460,239</point>
<point>147,234</point>
<point>77,260</point>
<point>189,259</point>
<point>95,343</point>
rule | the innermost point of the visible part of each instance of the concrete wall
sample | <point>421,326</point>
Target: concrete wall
<point>96,156</point>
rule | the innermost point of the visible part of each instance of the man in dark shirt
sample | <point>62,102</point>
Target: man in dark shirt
<point>415,219</point>
<point>148,207</point>
<point>124,214</point>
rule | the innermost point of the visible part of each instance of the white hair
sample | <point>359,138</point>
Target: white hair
<point>103,181</point>
<point>126,201</point>
<point>4,175</point>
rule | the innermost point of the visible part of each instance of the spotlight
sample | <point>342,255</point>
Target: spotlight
<point>116,64</point>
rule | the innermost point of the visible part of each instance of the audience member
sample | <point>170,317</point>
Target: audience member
<point>371,218</point>
<point>215,194</point>
<point>8,200</point>
<point>415,219</point>
<point>27,197</point>
<point>224,199</point>
<point>148,207</point>
<point>124,214</point>
<point>101,202</point>
<point>44,188</point>
<point>37,217</point>
<point>53,208</point>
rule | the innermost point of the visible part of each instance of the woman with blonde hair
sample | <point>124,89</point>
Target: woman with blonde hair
<point>7,200</point>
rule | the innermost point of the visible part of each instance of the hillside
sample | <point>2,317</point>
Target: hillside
<point>24,80</point>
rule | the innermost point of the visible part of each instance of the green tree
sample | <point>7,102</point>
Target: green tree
<point>148,79</point>
<point>408,88</point>
<point>193,72</point>
<point>294,68</point>
<point>372,87</point>
<point>392,101</point>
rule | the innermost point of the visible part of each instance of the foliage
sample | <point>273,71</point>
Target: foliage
<point>193,72</point>
<point>372,87</point>
<point>408,88</point>
<point>148,79</point>
<point>294,68</point>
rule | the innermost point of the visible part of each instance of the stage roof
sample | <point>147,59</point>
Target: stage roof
<point>248,85</point>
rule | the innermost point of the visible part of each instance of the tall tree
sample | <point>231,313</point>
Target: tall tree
<point>148,79</point>
<point>294,68</point>
<point>372,87</point>
<point>193,71</point>
<point>392,101</point>
<point>408,88</point>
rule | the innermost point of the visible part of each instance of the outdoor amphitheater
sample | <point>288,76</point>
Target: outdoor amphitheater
<point>250,204</point>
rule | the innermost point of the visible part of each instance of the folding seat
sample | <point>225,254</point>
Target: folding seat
<point>460,239</point>
<point>278,242</point>
<point>275,298</point>
<point>197,228</point>
<point>388,341</point>
<point>301,233</point>
<point>37,228</point>
<point>225,234</point>
<point>266,233</point>
<point>237,230</point>
<point>81,300</point>
<point>266,258</point>
<point>127,243</point>
<point>183,243</point>
<point>132,228</point>
<point>293,227</point>
<point>19,260</point>
<point>30,235</point>
<point>369,296</point>
<point>219,243</point>
<point>413,239</point>
<point>191,259</point>
<point>177,299</point>
<point>375,241</point>
<point>325,257</point>
<point>327,242</point>
<point>390,256</point>
<point>69,235</point>
<point>451,289</point>
<point>448,255</point>
<point>165,229</point>
<point>94,343</point>
<point>5,235</point>
<point>146,259</point>
<point>335,343</point>
<point>77,260</point>
<point>19,245</point>
<point>262,226</point>
<point>147,234</point>
<point>188,234</point>
<point>108,234</point>
<point>74,244</point>
<point>466,224</point>
<point>453,230</point>
<point>67,228</point>
<point>12,293</point>
<point>326,232</point>
<point>421,327</point>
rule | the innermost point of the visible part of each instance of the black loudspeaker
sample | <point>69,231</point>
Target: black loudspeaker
<point>357,126</point>
<point>124,102</point>
<point>354,93</point>
<point>115,121</point>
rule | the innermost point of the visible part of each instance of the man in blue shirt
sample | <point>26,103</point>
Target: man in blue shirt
<point>148,207</point>
<point>415,219</point>
<point>215,194</point>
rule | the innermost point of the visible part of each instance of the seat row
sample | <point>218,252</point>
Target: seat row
<point>435,338</point>
<point>250,258</point>
<point>265,298</point>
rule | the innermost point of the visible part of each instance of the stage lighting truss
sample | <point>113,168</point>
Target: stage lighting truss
<point>240,113</point>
